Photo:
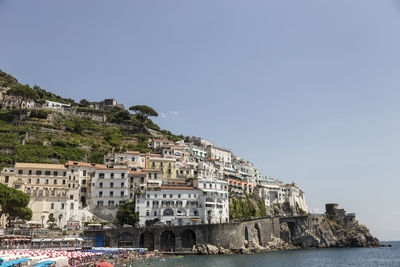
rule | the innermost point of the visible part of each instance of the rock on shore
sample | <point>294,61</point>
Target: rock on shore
<point>328,233</point>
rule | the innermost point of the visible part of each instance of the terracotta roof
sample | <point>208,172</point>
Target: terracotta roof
<point>116,169</point>
<point>84,164</point>
<point>39,165</point>
<point>133,172</point>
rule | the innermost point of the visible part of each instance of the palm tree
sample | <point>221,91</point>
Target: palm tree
<point>42,217</point>
<point>59,219</point>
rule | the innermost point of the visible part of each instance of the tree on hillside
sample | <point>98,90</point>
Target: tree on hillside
<point>13,204</point>
<point>143,112</point>
<point>127,215</point>
<point>84,102</point>
<point>23,93</point>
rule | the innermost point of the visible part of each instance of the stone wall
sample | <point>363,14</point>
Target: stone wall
<point>178,238</point>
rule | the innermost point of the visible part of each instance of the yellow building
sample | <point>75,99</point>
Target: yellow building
<point>167,167</point>
<point>49,186</point>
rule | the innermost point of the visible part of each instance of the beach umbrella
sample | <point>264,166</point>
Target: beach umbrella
<point>104,264</point>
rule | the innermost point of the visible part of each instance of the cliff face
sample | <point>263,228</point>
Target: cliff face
<point>335,228</point>
<point>327,233</point>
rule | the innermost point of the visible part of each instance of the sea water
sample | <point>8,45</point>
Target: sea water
<point>382,256</point>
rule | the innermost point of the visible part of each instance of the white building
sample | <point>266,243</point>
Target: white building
<point>110,187</point>
<point>214,200</point>
<point>169,205</point>
<point>131,159</point>
<point>221,154</point>
<point>177,203</point>
<point>56,105</point>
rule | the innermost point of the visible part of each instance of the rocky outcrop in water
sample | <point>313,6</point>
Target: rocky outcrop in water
<point>334,229</point>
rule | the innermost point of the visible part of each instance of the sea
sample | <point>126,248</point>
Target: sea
<point>382,256</point>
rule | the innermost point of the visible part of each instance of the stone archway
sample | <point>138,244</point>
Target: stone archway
<point>83,201</point>
<point>257,234</point>
<point>168,240</point>
<point>147,240</point>
<point>125,240</point>
<point>246,234</point>
<point>188,238</point>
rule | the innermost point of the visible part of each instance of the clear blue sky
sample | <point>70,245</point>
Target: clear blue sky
<point>307,90</point>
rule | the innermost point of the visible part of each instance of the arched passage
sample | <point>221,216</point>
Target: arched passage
<point>83,201</point>
<point>147,240</point>
<point>125,240</point>
<point>257,233</point>
<point>188,238</point>
<point>168,241</point>
<point>168,212</point>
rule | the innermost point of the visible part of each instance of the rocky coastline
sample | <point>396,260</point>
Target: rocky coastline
<point>335,228</point>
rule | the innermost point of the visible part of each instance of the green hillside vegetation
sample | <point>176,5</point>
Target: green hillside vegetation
<point>48,136</point>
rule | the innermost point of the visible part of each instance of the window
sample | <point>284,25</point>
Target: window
<point>63,182</point>
<point>111,185</point>
<point>101,185</point>
<point>169,165</point>
<point>100,193</point>
<point>47,172</point>
<point>179,195</point>
<point>153,164</point>
<point>155,213</point>
<point>55,181</point>
<point>111,203</point>
<point>29,180</point>
<point>101,175</point>
<point>46,181</point>
<point>112,175</point>
<point>161,164</point>
<point>84,181</point>
<point>171,196</point>
<point>122,175</point>
<point>164,196</point>
<point>111,193</point>
<point>38,172</point>
<point>122,193</point>
<point>71,206</point>
<point>62,206</point>
<point>142,180</point>
<point>147,203</point>
<point>169,171</point>
<point>55,173</point>
<point>155,195</point>
<point>100,203</point>
<point>65,174</point>
<point>37,181</point>
<point>20,172</point>
<point>147,213</point>
<point>30,172</point>
<point>71,196</point>
<point>155,176</point>
<point>7,178</point>
<point>84,173</point>
<point>122,184</point>
<point>52,206</point>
